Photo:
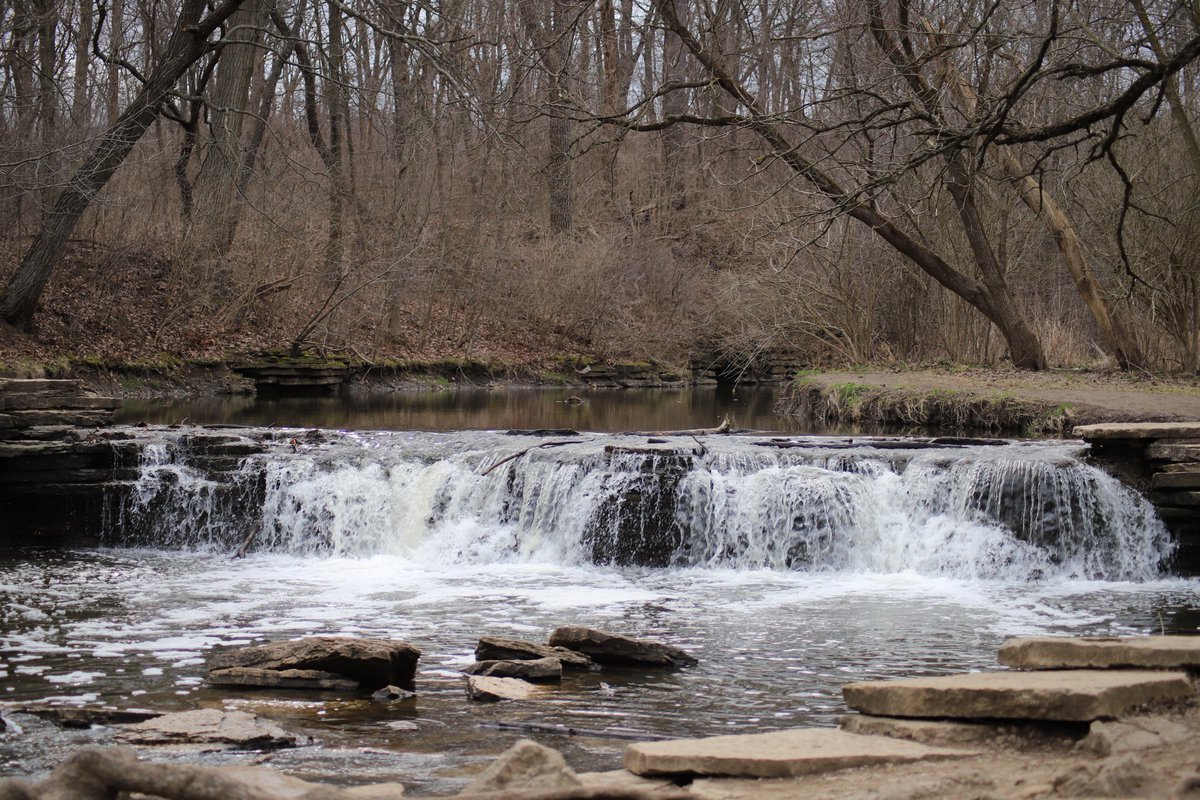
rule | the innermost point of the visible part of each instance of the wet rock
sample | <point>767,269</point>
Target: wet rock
<point>280,679</point>
<point>776,755</point>
<point>209,726</point>
<point>491,690</point>
<point>86,716</point>
<point>1133,734</point>
<point>392,694</point>
<point>1092,652</point>
<point>373,663</point>
<point>526,765</point>
<point>613,648</point>
<point>539,670</point>
<point>491,648</point>
<point>1114,777</point>
<point>1071,696</point>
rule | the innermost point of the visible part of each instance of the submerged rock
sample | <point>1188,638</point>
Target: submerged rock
<point>539,670</point>
<point>613,648</point>
<point>491,690</point>
<point>492,648</point>
<point>526,765</point>
<point>209,726</point>
<point>373,663</point>
<point>85,716</point>
<point>392,694</point>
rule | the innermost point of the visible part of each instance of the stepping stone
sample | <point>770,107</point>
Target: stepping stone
<point>1072,696</point>
<point>781,754</point>
<point>1142,652</point>
<point>956,733</point>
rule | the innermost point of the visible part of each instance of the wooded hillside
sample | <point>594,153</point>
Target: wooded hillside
<point>851,180</point>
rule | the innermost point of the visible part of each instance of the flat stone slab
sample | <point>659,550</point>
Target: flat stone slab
<point>209,726</point>
<point>781,754</point>
<point>955,733</point>
<point>492,690</point>
<point>1085,652</point>
<point>1138,430</point>
<point>1062,696</point>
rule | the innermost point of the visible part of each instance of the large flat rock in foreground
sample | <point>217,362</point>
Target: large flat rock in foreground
<point>1066,696</point>
<point>781,754</point>
<point>1140,652</point>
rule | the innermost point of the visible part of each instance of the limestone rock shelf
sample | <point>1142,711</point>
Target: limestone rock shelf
<point>1162,458</point>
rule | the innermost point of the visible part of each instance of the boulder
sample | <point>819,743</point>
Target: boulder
<point>280,679</point>
<point>1073,696</point>
<point>781,754</point>
<point>491,648</point>
<point>613,648</point>
<point>526,765</point>
<point>208,726</point>
<point>1091,652</point>
<point>491,690</point>
<point>392,694</point>
<point>539,670</point>
<point>373,663</point>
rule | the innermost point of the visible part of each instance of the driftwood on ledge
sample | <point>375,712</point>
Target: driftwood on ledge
<point>100,773</point>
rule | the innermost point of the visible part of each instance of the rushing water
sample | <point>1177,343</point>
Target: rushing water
<point>788,566</point>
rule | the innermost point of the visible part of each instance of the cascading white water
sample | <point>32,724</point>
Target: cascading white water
<point>1018,511</point>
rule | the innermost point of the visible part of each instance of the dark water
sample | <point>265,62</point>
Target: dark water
<point>611,410</point>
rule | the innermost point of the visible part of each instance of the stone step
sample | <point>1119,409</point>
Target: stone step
<point>782,754</point>
<point>1061,696</point>
<point>1092,652</point>
<point>1180,498</point>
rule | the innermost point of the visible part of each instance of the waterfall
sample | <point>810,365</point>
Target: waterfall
<point>1018,511</point>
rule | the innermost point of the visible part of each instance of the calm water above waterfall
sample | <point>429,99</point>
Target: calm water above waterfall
<point>788,565</point>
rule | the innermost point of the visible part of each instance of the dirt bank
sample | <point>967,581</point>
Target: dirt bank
<point>987,400</point>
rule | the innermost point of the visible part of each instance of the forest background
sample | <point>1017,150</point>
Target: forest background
<point>846,181</point>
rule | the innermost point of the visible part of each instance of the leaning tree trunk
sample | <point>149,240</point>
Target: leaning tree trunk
<point>188,42</point>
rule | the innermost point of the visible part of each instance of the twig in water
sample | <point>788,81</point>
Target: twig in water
<point>541,446</point>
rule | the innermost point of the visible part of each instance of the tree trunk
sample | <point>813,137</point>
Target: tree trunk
<point>188,42</point>
<point>81,107</point>
<point>216,207</point>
